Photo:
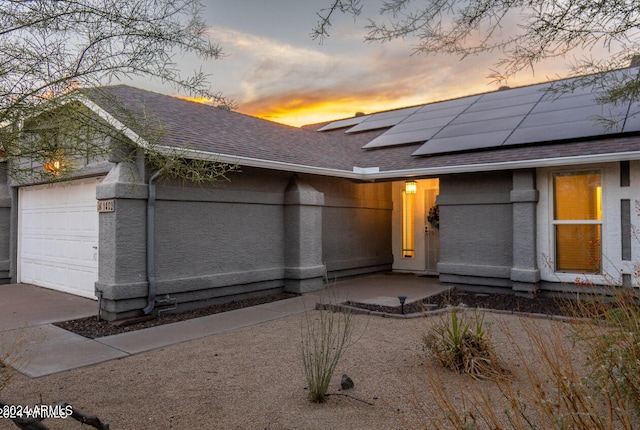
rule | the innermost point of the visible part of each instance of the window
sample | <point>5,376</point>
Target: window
<point>577,220</point>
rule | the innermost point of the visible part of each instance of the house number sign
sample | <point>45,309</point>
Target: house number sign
<point>105,206</point>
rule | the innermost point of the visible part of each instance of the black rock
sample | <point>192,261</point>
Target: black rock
<point>346,382</point>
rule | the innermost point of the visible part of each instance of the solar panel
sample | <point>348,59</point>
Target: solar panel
<point>411,136</point>
<point>343,123</point>
<point>471,128</point>
<point>492,101</point>
<point>466,143</point>
<point>559,131</point>
<point>485,116</point>
<point>461,103</point>
<point>633,119</point>
<point>383,119</point>
<point>564,103</point>
<point>423,124</point>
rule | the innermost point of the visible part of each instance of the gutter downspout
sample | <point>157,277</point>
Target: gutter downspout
<point>151,257</point>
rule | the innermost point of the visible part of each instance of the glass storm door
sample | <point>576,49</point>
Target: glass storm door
<point>432,234</point>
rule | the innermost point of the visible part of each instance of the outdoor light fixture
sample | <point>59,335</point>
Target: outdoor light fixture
<point>410,187</point>
<point>52,166</point>
<point>402,300</point>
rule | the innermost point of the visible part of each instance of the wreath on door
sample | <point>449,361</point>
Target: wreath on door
<point>434,216</point>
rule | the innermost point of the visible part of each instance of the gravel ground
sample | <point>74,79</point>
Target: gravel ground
<point>252,378</point>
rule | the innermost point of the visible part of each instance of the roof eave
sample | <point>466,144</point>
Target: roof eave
<point>508,165</point>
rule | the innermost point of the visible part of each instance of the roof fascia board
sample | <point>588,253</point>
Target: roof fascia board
<point>111,120</point>
<point>264,164</point>
<point>509,165</point>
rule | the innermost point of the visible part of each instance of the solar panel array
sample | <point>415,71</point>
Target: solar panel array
<point>502,118</point>
<point>423,124</point>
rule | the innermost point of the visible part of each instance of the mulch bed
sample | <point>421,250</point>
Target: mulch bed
<point>506,302</point>
<point>92,328</point>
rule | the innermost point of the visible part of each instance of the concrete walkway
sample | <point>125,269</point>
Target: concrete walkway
<point>37,348</point>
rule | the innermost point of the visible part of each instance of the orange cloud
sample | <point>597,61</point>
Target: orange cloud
<point>298,108</point>
<point>297,85</point>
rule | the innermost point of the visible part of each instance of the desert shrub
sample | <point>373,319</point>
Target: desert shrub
<point>325,337</point>
<point>611,341</point>
<point>577,375</point>
<point>462,344</point>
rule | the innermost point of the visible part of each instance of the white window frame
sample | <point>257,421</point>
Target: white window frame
<point>609,173</point>
<point>555,222</point>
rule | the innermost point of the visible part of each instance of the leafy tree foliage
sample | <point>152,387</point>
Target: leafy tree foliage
<point>49,48</point>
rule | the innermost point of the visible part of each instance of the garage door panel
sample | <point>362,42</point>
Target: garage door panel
<point>59,236</point>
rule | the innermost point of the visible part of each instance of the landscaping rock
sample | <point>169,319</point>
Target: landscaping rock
<point>346,383</point>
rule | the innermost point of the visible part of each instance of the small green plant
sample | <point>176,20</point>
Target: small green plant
<point>463,345</point>
<point>325,337</point>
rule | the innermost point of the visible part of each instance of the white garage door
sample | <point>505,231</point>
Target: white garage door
<point>58,236</point>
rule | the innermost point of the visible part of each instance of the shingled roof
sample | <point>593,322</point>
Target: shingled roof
<point>208,129</point>
<point>372,152</point>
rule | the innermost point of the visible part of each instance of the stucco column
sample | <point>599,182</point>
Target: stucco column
<point>525,274</point>
<point>304,269</point>
<point>5,226</point>
<point>122,277</point>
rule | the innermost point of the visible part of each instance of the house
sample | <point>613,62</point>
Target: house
<point>517,190</point>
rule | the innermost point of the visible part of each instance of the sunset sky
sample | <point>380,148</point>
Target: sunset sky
<point>273,69</point>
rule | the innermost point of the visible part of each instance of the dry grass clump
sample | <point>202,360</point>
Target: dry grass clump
<point>611,339</point>
<point>14,350</point>
<point>324,341</point>
<point>462,344</point>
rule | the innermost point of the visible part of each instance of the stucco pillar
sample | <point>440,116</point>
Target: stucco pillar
<point>122,277</point>
<point>304,269</point>
<point>5,226</point>
<point>525,273</point>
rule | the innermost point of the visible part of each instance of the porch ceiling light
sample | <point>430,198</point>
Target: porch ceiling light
<point>410,187</point>
<point>52,166</point>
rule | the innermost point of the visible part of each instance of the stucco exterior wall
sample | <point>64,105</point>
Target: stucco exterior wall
<point>263,232</point>
<point>476,229</point>
<point>356,226</point>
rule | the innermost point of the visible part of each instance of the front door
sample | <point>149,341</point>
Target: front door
<point>416,242</point>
